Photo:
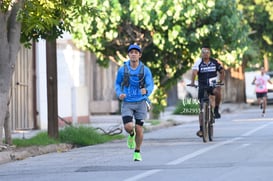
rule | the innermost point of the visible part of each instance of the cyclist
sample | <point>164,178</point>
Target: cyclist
<point>134,96</point>
<point>261,88</point>
<point>207,69</point>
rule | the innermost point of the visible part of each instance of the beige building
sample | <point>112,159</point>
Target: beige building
<point>84,88</point>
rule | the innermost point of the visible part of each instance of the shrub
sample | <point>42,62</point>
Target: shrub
<point>187,107</point>
<point>41,139</point>
<point>84,136</point>
<point>77,136</point>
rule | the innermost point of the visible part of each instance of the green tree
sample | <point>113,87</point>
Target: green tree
<point>26,20</point>
<point>170,32</point>
<point>259,15</point>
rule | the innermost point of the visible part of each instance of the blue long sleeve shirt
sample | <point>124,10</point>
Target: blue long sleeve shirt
<point>133,91</point>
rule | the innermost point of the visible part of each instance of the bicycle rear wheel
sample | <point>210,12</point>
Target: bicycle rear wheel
<point>205,122</point>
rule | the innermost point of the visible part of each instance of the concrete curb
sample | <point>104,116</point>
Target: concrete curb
<point>160,126</point>
<point>5,157</point>
<point>23,153</point>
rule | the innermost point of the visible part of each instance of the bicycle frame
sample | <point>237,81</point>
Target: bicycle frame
<point>207,116</point>
<point>206,112</point>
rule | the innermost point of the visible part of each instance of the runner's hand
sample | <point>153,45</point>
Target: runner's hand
<point>143,91</point>
<point>122,96</point>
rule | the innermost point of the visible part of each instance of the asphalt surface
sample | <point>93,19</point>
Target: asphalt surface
<point>104,123</point>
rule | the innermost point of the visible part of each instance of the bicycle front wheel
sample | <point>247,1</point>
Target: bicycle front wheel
<point>211,131</point>
<point>211,117</point>
<point>205,122</point>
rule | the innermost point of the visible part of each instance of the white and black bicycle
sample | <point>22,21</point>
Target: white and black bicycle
<point>207,111</point>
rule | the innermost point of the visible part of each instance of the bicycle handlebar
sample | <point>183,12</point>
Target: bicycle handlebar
<point>215,85</point>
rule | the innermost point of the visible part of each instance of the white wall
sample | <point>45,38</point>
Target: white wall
<point>41,84</point>
<point>250,89</point>
<point>72,89</point>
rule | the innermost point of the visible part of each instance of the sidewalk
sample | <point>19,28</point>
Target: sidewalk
<point>107,123</point>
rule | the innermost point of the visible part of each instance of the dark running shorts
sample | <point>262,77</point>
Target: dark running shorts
<point>261,94</point>
<point>202,91</point>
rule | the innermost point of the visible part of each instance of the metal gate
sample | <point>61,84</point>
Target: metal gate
<point>21,97</point>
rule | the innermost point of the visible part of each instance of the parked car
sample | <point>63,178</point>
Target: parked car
<point>270,88</point>
<point>185,91</point>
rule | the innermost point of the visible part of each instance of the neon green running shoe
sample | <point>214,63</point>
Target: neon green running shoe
<point>131,143</point>
<point>137,156</point>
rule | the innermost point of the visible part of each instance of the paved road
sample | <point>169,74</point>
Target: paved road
<point>242,150</point>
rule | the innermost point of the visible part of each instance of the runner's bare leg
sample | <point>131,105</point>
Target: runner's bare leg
<point>139,136</point>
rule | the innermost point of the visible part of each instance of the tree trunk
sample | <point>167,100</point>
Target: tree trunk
<point>52,92</point>
<point>7,127</point>
<point>10,43</point>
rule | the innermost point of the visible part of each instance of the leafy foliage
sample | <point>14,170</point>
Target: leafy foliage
<point>170,32</point>
<point>259,15</point>
<point>187,107</point>
<point>49,19</point>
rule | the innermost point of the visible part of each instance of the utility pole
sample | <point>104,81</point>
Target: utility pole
<point>52,89</point>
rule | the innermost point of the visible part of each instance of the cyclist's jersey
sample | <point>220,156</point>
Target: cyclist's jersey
<point>261,83</point>
<point>207,72</point>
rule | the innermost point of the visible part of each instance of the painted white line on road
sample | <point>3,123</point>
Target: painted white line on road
<point>143,175</point>
<point>256,129</point>
<point>196,153</point>
<point>253,119</point>
<point>199,152</point>
<point>204,150</point>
